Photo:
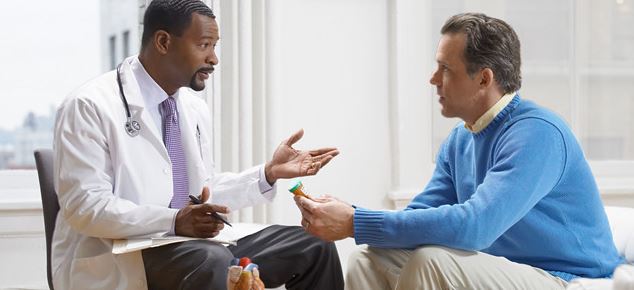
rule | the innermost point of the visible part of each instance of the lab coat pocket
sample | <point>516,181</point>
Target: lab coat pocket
<point>199,143</point>
<point>96,268</point>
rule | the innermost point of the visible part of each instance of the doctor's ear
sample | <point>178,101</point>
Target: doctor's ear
<point>162,41</point>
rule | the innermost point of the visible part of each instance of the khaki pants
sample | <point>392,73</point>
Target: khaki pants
<point>435,267</point>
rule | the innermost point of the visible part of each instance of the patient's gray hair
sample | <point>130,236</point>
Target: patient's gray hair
<point>491,43</point>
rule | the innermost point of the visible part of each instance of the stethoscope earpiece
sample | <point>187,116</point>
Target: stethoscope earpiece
<point>132,127</point>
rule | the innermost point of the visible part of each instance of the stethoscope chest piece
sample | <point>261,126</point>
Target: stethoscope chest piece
<point>132,127</point>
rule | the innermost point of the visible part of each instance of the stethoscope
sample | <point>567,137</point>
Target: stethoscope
<point>132,127</point>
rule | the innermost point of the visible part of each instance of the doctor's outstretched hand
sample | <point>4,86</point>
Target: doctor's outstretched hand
<point>288,162</point>
<point>195,220</point>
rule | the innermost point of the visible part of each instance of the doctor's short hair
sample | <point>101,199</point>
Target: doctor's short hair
<point>173,16</point>
<point>491,43</point>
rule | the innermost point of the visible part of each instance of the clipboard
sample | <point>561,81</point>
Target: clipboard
<point>131,245</point>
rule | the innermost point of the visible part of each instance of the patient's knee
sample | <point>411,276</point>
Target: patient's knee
<point>356,260</point>
<point>431,257</point>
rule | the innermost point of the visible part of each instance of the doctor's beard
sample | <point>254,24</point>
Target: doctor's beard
<point>194,83</point>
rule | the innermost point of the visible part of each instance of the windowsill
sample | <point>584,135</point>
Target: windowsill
<point>20,190</point>
<point>20,205</point>
<point>616,186</point>
<point>16,199</point>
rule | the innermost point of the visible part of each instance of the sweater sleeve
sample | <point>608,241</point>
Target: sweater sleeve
<point>528,162</point>
<point>439,191</point>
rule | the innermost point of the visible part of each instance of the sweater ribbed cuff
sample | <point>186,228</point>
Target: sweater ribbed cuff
<point>368,227</point>
<point>564,276</point>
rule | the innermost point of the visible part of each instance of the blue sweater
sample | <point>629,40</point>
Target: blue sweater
<point>521,188</point>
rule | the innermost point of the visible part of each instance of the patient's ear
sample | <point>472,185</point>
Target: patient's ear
<point>486,77</point>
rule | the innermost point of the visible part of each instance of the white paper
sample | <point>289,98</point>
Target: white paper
<point>131,245</point>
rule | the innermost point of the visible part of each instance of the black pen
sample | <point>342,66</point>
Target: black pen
<point>195,200</point>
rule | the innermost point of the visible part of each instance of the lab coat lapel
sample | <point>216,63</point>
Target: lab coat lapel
<point>132,92</point>
<point>191,142</point>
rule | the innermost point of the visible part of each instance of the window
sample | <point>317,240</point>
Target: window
<point>577,60</point>
<point>126,43</point>
<point>112,41</point>
<point>36,78</point>
<point>42,61</point>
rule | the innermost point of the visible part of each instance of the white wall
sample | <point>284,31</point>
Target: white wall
<point>353,74</point>
<point>328,73</point>
<point>326,67</point>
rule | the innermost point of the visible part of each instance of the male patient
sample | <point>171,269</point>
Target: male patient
<point>124,167</point>
<point>512,203</point>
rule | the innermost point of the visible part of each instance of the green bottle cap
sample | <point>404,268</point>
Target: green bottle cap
<point>296,186</point>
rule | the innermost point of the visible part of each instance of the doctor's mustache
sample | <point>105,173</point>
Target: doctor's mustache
<point>208,70</point>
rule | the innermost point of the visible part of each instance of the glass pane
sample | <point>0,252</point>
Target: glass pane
<point>48,49</point>
<point>606,69</point>
<point>546,59</point>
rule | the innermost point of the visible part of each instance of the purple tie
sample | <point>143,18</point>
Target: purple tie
<point>174,145</point>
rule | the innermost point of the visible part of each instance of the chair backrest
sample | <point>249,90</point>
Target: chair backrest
<point>50,206</point>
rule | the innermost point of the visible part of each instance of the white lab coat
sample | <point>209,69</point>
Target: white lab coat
<point>113,186</point>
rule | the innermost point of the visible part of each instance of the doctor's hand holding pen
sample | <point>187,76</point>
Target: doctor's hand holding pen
<point>288,162</point>
<point>196,220</point>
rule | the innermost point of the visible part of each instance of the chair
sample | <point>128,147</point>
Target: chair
<point>50,206</point>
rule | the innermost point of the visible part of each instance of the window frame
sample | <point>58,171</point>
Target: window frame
<point>411,28</point>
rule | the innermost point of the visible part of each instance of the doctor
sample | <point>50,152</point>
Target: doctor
<point>131,145</point>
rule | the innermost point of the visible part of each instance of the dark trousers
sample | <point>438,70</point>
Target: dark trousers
<point>285,255</point>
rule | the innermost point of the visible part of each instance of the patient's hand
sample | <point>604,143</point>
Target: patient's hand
<point>326,217</point>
